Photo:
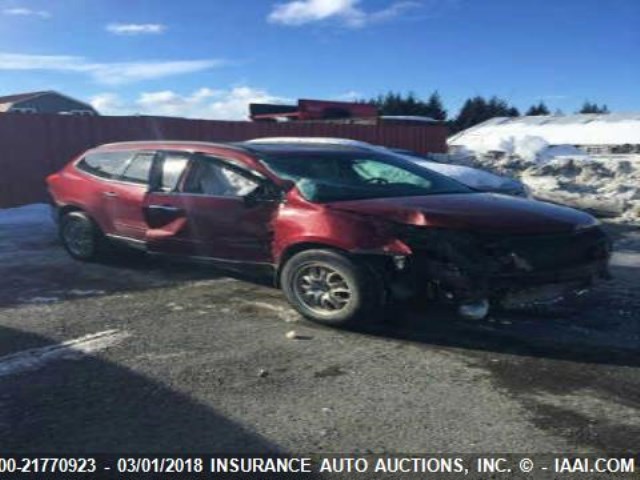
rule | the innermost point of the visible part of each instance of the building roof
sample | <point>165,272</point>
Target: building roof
<point>19,97</point>
<point>8,101</point>
<point>271,109</point>
<point>308,109</point>
<point>581,129</point>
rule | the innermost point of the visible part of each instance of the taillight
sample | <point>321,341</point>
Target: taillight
<point>51,178</point>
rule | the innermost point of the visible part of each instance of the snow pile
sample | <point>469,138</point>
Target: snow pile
<point>608,186</point>
<point>582,129</point>
<point>527,147</point>
<point>37,213</point>
<point>604,185</point>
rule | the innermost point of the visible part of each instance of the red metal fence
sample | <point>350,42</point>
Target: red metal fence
<point>33,146</point>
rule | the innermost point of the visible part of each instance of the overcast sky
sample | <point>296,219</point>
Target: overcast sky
<point>209,58</point>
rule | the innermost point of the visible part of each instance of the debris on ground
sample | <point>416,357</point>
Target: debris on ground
<point>294,335</point>
<point>175,307</point>
<point>284,312</point>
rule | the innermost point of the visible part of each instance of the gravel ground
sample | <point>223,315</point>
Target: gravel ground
<point>196,361</point>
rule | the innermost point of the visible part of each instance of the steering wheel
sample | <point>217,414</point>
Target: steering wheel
<point>377,181</point>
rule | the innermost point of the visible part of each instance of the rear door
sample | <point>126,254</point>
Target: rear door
<point>208,214</point>
<point>165,217</point>
<point>127,195</point>
<point>102,168</point>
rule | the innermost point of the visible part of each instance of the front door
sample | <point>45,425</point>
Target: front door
<point>208,215</point>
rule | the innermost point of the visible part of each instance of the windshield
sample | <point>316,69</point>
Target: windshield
<point>333,176</point>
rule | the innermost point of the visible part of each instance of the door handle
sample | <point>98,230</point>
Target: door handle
<point>165,208</point>
<point>110,194</point>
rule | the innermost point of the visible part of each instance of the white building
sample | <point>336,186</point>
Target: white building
<point>613,133</point>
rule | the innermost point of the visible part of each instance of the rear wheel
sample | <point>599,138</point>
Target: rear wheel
<point>330,288</point>
<point>80,236</point>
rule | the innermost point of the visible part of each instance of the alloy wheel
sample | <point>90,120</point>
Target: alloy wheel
<point>321,288</point>
<point>78,237</point>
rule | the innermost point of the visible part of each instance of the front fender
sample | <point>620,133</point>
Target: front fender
<point>392,247</point>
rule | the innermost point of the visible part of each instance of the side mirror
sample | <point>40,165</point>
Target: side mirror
<point>264,193</point>
<point>287,185</point>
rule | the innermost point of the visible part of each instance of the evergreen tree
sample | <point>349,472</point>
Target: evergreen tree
<point>588,107</point>
<point>435,108</point>
<point>477,109</point>
<point>513,112</point>
<point>393,103</point>
<point>539,109</point>
<point>498,107</point>
<point>471,113</point>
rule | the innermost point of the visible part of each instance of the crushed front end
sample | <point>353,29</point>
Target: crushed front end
<point>465,267</point>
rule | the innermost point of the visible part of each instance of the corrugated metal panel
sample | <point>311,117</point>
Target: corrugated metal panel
<point>33,146</point>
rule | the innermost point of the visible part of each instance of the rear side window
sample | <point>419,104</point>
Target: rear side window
<point>173,165</point>
<point>105,164</point>
<point>139,169</point>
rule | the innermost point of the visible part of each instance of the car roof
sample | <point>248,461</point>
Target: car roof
<point>183,144</point>
<point>247,147</point>
<point>309,147</point>
<point>311,140</point>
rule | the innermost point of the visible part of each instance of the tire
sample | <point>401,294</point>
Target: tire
<point>81,237</point>
<point>330,288</point>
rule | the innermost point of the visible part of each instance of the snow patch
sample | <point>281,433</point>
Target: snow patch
<point>85,293</point>
<point>36,358</point>
<point>41,300</point>
<point>36,213</point>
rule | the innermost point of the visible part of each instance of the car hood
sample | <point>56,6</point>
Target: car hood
<point>486,212</point>
<point>474,177</point>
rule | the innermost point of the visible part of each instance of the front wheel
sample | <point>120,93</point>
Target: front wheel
<point>330,288</point>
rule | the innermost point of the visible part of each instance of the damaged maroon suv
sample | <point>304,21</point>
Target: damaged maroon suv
<point>343,230</point>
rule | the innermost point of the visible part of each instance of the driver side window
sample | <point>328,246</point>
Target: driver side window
<point>210,177</point>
